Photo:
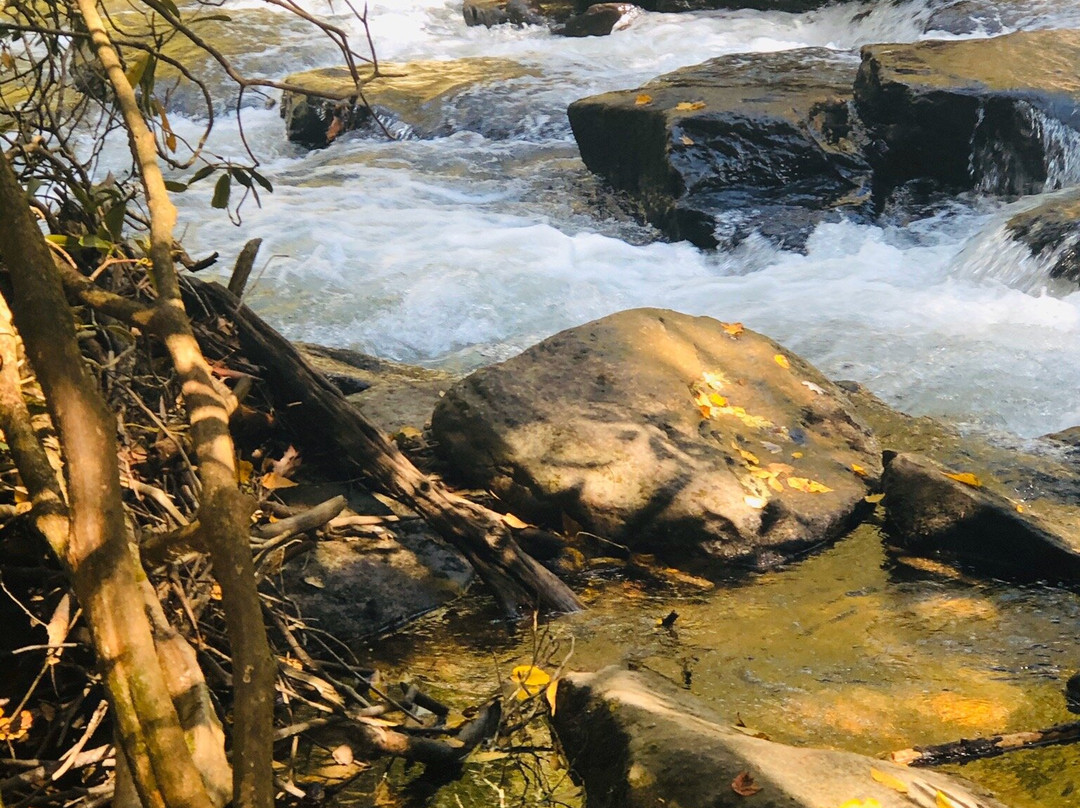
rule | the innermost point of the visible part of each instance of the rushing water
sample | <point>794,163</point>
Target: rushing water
<point>465,249</point>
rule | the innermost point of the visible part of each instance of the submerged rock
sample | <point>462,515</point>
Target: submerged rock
<point>761,142</point>
<point>951,513</point>
<point>677,435</point>
<point>998,115</point>
<point>421,99</point>
<point>636,741</point>
<point>1051,232</point>
<point>794,6</point>
<point>515,12</point>
<point>599,20</point>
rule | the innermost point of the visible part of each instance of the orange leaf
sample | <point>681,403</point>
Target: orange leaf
<point>734,329</point>
<point>551,693</point>
<point>272,481</point>
<point>689,106</point>
<point>782,361</point>
<point>643,99</point>
<point>965,477</point>
<point>858,469</point>
<point>744,785</point>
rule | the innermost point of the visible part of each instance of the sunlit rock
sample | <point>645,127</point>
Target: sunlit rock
<point>701,442</point>
<point>636,741</point>
<point>1051,232</point>
<point>996,115</point>
<point>515,12</point>
<point>416,99</point>
<point>752,143</point>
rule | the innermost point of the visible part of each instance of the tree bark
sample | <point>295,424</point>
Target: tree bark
<point>95,550</point>
<point>969,749</point>
<point>516,578</point>
<point>224,511</point>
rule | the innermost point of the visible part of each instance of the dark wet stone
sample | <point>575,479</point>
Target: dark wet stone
<point>598,20</point>
<point>1051,231</point>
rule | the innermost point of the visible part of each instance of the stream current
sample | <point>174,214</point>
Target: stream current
<point>461,251</point>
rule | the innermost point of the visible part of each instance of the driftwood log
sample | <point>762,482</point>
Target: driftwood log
<point>968,749</point>
<point>304,394</point>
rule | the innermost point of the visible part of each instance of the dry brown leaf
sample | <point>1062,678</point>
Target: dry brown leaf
<point>744,785</point>
<point>686,141</point>
<point>343,755</point>
<point>244,470</point>
<point>288,464</point>
<point>514,522</point>
<point>272,481</point>
<point>965,477</point>
<point>689,106</point>
<point>734,329</point>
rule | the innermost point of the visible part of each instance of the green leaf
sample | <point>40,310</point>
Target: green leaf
<point>114,220</point>
<point>241,176</point>
<point>263,181</point>
<point>64,241</point>
<point>170,7</point>
<point>135,70</point>
<point>202,173</point>
<point>176,187</point>
<point>221,191</point>
<point>95,243</point>
<point>215,18</point>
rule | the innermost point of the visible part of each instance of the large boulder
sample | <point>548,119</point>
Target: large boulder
<point>678,435</point>
<point>636,741</point>
<point>419,99</point>
<point>599,20</point>
<point>760,142</point>
<point>794,6</point>
<point>998,115</point>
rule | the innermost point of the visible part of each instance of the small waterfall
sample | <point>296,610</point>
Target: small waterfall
<point>1017,148</point>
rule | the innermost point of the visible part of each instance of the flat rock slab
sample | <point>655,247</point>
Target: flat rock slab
<point>951,513</point>
<point>738,144</point>
<point>636,741</point>
<point>418,99</point>
<point>991,114</point>
<point>676,435</point>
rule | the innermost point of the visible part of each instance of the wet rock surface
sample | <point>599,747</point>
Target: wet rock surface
<point>515,12</point>
<point>601,19</point>
<point>762,142</point>
<point>419,99</point>
<point>637,741</point>
<point>994,115</point>
<point>667,433</point>
<point>1051,232</point>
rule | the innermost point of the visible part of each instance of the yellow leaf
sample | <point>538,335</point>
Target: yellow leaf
<point>797,455</point>
<point>942,800</point>
<point>1019,508</point>
<point>551,693</point>
<point>686,141</point>
<point>717,400</point>
<point>782,361</point>
<point>808,486</point>
<point>689,106</point>
<point>487,756</point>
<point>514,522</point>
<point>135,70</point>
<point>16,727</point>
<point>529,679</point>
<point>873,499</point>
<point>889,780</point>
<point>215,592</point>
<point>869,802</point>
<point>734,329</point>
<point>243,471</point>
<point>858,469</point>
<point>643,99</point>
<point>748,456</point>
<point>965,477</point>
<point>272,481</point>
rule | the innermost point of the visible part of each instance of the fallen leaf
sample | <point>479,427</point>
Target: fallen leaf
<point>487,756</point>
<point>942,800</point>
<point>643,99</point>
<point>734,329</point>
<point>1019,508</point>
<point>717,400</point>
<point>813,388</point>
<point>782,361</point>
<point>689,106</point>
<point>342,755</point>
<point>16,727</point>
<point>530,679</point>
<point>315,581</point>
<point>797,455</point>
<point>514,522</point>
<point>889,780</point>
<point>272,481</point>
<point>244,470</point>
<point>336,127</point>
<point>869,802</point>
<point>873,499</point>
<point>965,477</point>
<point>744,785</point>
<point>858,469</point>
<point>551,694</point>
<point>686,141</point>
<point>749,457</point>
<point>215,592</point>
<point>288,464</point>
<point>808,486</point>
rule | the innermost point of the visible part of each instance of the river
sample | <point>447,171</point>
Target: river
<point>463,250</point>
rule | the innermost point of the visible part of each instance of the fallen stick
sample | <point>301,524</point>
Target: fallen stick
<point>968,749</point>
<point>302,522</point>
